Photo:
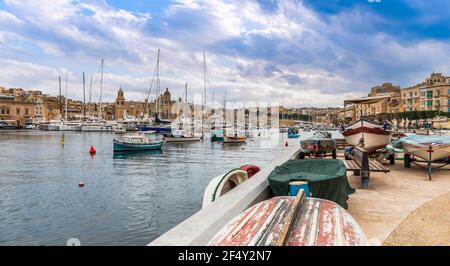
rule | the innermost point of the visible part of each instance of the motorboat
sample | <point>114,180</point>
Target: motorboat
<point>293,133</point>
<point>368,135</point>
<point>137,142</point>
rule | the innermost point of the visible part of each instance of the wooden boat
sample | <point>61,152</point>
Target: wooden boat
<point>419,146</point>
<point>368,135</point>
<point>234,139</point>
<point>292,221</point>
<point>217,135</point>
<point>293,133</point>
<point>223,183</point>
<point>137,142</point>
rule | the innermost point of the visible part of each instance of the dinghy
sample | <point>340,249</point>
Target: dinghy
<point>419,145</point>
<point>226,182</point>
<point>368,135</point>
<point>292,221</point>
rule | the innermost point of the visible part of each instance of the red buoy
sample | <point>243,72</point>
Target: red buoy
<point>286,143</point>
<point>92,151</point>
<point>81,184</point>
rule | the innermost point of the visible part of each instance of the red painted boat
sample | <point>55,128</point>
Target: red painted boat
<point>292,221</point>
<point>372,136</point>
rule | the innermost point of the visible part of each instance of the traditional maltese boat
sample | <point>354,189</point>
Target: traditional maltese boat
<point>292,221</point>
<point>226,182</point>
<point>429,148</point>
<point>368,135</point>
<point>137,142</point>
<point>234,139</point>
<point>293,133</point>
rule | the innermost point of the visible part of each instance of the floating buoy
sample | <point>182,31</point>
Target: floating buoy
<point>92,151</point>
<point>81,184</point>
<point>286,143</point>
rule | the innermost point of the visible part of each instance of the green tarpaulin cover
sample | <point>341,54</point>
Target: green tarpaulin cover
<point>327,179</point>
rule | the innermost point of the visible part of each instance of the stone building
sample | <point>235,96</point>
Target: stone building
<point>134,108</point>
<point>15,107</point>
<point>384,99</point>
<point>430,95</point>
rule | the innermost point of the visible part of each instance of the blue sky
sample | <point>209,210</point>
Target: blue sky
<point>299,53</point>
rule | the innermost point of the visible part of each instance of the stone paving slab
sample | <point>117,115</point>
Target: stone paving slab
<point>393,196</point>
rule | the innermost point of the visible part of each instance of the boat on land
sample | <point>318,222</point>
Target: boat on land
<point>292,221</point>
<point>320,143</point>
<point>137,142</point>
<point>429,148</point>
<point>293,133</point>
<point>368,135</point>
<point>223,183</point>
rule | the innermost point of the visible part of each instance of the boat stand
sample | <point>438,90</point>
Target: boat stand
<point>408,160</point>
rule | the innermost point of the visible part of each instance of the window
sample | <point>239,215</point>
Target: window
<point>3,111</point>
<point>18,111</point>
<point>26,111</point>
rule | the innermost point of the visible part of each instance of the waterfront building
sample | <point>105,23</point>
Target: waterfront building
<point>136,109</point>
<point>14,107</point>
<point>430,95</point>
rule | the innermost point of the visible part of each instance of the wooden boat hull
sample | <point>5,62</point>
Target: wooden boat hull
<point>234,139</point>
<point>127,147</point>
<point>440,151</point>
<point>318,223</point>
<point>375,137</point>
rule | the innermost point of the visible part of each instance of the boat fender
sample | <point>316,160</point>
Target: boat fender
<point>92,151</point>
<point>250,169</point>
<point>81,184</point>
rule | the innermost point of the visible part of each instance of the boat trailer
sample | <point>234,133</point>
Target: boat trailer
<point>408,159</point>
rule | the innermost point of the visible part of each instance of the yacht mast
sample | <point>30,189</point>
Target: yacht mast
<point>60,97</point>
<point>65,116</point>
<point>84,98</point>
<point>204,92</point>
<point>101,90</point>
<point>157,86</point>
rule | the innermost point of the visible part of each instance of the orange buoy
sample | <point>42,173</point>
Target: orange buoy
<point>92,151</point>
<point>81,184</point>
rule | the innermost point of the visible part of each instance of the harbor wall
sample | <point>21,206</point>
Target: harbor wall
<point>198,229</point>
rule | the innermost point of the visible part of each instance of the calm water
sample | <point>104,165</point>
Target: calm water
<point>128,200</point>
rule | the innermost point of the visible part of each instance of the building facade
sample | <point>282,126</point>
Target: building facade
<point>430,95</point>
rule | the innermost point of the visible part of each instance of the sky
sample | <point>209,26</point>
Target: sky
<point>298,53</point>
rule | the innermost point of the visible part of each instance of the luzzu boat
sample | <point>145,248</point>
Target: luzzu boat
<point>217,135</point>
<point>137,142</point>
<point>292,221</point>
<point>370,135</point>
<point>293,133</point>
<point>419,145</point>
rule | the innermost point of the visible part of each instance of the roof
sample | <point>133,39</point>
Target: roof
<point>366,100</point>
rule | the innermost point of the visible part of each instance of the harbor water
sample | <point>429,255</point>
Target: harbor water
<point>128,199</point>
